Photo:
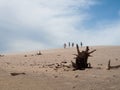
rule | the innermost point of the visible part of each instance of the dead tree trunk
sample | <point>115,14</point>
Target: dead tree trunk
<point>82,58</point>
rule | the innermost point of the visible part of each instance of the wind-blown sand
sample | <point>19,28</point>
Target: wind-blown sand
<point>42,72</point>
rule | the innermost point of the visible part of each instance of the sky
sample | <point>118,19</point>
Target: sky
<point>43,24</point>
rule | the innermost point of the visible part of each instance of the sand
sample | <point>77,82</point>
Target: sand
<point>42,72</point>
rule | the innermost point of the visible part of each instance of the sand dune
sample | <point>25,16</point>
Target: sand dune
<point>42,72</point>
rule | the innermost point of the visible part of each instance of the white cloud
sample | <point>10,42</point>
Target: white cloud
<point>44,23</point>
<point>27,45</point>
<point>106,34</point>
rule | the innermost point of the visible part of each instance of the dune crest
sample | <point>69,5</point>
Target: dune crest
<point>52,70</point>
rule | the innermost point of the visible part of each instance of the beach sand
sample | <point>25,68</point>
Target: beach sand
<point>51,71</point>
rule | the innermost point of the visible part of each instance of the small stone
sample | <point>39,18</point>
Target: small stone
<point>56,76</point>
<point>114,75</point>
<point>63,62</point>
<point>73,87</point>
<point>116,59</point>
<point>58,55</point>
<point>25,55</point>
<point>98,68</point>
<point>55,69</point>
<point>32,55</point>
<point>76,76</point>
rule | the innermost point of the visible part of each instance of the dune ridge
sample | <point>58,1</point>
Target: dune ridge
<point>49,70</point>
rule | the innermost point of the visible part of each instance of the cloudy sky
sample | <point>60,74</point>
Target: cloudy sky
<point>42,24</point>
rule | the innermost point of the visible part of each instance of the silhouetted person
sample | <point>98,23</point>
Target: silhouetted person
<point>64,45</point>
<point>72,44</point>
<point>81,44</point>
<point>69,44</point>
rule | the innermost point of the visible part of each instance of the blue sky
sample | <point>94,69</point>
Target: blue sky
<point>105,11</point>
<point>43,24</point>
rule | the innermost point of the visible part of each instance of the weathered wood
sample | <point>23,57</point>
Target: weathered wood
<point>14,74</point>
<point>39,53</point>
<point>78,51</point>
<point>82,58</point>
<point>108,67</point>
<point>92,52</point>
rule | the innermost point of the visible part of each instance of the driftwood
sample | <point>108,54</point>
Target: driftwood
<point>15,74</point>
<point>39,53</point>
<point>108,67</point>
<point>112,67</point>
<point>1,55</point>
<point>82,58</point>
